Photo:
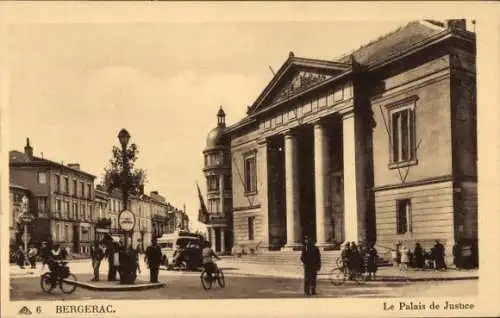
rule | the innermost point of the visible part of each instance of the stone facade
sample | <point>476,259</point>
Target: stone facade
<point>63,199</point>
<point>377,146</point>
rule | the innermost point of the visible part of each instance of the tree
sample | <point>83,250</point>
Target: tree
<point>116,176</point>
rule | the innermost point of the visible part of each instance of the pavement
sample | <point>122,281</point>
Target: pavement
<point>237,268</point>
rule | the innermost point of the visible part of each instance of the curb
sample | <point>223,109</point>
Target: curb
<point>117,287</point>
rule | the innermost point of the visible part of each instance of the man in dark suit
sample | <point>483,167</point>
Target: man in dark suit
<point>153,258</point>
<point>311,259</point>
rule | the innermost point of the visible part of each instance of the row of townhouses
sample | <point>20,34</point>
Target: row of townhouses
<point>69,209</point>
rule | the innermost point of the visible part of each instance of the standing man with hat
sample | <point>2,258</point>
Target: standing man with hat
<point>153,258</point>
<point>311,259</point>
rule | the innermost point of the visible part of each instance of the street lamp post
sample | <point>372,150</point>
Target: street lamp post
<point>126,219</point>
<point>25,218</point>
<point>124,137</point>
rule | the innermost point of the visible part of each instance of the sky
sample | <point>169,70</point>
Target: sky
<point>72,87</point>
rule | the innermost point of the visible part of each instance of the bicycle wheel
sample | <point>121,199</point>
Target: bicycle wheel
<point>66,285</point>
<point>337,276</point>
<point>220,279</point>
<point>45,283</point>
<point>206,282</point>
<point>339,262</point>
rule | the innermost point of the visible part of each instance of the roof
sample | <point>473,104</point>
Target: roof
<point>15,186</point>
<point>20,158</point>
<point>406,38</point>
<point>395,42</point>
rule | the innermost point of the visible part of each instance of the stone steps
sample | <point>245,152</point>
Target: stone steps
<point>292,259</point>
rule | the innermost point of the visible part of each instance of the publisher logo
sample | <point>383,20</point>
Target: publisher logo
<point>25,311</point>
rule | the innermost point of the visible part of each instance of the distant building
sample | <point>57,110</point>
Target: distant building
<point>63,199</point>
<point>16,228</point>
<point>141,207</point>
<point>376,146</point>
<point>159,217</point>
<point>217,170</point>
<point>102,218</point>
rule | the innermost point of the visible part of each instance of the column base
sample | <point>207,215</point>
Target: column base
<point>325,246</point>
<point>292,247</point>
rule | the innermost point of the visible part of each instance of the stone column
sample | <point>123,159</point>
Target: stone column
<point>293,230</point>
<point>320,179</point>
<point>262,189</point>
<point>354,207</point>
<point>222,241</point>
<point>221,194</point>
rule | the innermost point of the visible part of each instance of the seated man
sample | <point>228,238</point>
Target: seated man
<point>55,261</point>
<point>207,259</point>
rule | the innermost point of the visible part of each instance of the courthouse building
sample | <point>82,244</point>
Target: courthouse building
<point>378,145</point>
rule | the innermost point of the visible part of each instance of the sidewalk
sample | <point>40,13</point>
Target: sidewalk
<point>233,267</point>
<point>385,273</point>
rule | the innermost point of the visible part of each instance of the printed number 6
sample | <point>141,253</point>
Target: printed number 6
<point>38,309</point>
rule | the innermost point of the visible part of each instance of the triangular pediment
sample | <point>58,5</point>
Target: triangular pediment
<point>295,77</point>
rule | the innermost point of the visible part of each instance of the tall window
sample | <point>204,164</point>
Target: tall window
<point>42,205</point>
<point>66,233</point>
<point>227,182</point>
<point>66,185</point>
<point>213,183</point>
<point>89,191</point>
<point>58,207</point>
<point>42,178</point>
<point>56,232</point>
<point>251,221</point>
<point>66,209</point>
<point>83,215</point>
<point>250,174</point>
<point>75,187</point>
<point>403,216</point>
<point>74,211</point>
<point>82,189</point>
<point>57,180</point>
<point>403,134</point>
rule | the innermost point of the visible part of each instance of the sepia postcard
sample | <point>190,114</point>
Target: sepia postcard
<point>241,159</point>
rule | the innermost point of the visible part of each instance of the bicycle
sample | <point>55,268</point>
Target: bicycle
<point>217,275</point>
<point>339,275</point>
<point>63,278</point>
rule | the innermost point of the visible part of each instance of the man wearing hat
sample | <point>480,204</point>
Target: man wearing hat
<point>44,254</point>
<point>153,258</point>
<point>311,259</point>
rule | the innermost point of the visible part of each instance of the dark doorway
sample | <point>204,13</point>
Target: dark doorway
<point>217,239</point>
<point>307,206</point>
<point>76,239</point>
<point>276,192</point>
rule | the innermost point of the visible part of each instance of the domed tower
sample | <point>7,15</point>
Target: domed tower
<point>217,170</point>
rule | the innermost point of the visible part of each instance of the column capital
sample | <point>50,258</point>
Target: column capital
<point>289,133</point>
<point>347,113</point>
<point>262,141</point>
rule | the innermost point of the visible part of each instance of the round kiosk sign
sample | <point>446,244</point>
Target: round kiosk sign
<point>126,220</point>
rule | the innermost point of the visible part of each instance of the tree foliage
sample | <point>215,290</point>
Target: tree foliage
<point>115,176</point>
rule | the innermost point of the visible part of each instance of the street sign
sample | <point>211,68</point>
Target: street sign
<point>126,220</point>
<point>26,218</point>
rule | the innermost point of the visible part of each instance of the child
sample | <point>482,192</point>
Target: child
<point>404,258</point>
<point>32,253</point>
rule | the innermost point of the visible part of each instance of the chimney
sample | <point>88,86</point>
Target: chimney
<point>456,24</point>
<point>75,166</point>
<point>28,150</point>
